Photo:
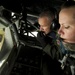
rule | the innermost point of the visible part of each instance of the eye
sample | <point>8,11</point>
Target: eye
<point>67,27</point>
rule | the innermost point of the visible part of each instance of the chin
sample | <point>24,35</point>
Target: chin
<point>73,42</point>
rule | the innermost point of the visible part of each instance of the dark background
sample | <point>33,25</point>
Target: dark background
<point>31,5</point>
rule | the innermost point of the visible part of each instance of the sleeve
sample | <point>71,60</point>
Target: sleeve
<point>53,51</point>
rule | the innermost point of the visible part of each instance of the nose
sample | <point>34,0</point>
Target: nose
<point>41,29</point>
<point>60,31</point>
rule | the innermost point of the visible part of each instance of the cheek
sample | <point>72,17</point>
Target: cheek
<point>70,34</point>
<point>71,38</point>
<point>48,29</point>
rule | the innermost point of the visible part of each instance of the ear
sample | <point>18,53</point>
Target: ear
<point>55,25</point>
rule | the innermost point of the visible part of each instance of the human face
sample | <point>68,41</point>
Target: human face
<point>44,23</point>
<point>67,24</point>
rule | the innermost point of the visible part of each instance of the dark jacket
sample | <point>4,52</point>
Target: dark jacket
<point>61,58</point>
<point>45,39</point>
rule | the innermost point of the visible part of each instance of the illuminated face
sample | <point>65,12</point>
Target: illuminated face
<point>67,24</point>
<point>44,23</point>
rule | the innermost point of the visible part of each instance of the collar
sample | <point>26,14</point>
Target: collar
<point>65,49</point>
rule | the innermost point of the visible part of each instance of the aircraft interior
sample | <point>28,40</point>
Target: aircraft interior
<point>20,52</point>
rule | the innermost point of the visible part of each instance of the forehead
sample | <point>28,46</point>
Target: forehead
<point>44,20</point>
<point>67,15</point>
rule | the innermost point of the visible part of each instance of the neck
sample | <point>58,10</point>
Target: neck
<point>69,46</point>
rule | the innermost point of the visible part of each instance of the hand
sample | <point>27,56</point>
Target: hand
<point>42,39</point>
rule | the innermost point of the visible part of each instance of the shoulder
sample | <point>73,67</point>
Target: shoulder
<point>53,51</point>
<point>52,34</point>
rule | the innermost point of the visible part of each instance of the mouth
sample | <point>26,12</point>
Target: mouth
<point>62,38</point>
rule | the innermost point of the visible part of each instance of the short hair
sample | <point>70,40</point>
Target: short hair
<point>48,12</point>
<point>68,4</point>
